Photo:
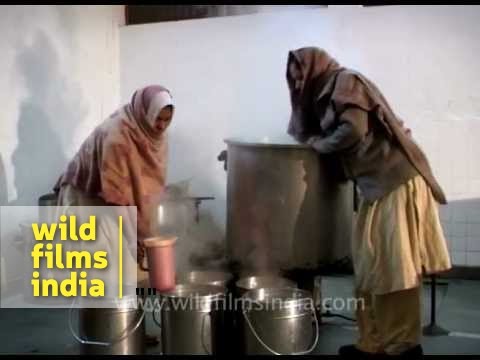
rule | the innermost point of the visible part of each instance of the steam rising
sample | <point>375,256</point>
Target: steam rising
<point>200,245</point>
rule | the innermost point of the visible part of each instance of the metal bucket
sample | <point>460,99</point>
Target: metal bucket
<point>285,209</point>
<point>243,286</point>
<point>119,330</point>
<point>279,322</point>
<point>214,278</point>
<point>262,281</point>
<point>192,320</point>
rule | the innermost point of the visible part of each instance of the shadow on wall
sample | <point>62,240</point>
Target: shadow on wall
<point>3,184</point>
<point>38,158</point>
<point>48,117</point>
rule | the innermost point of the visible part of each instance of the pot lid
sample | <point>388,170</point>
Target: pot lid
<point>267,142</point>
<point>195,291</point>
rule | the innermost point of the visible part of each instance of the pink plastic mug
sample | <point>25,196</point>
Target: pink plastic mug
<point>161,262</point>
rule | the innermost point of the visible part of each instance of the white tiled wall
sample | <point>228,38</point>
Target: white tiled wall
<point>473,258</point>
<point>461,222</point>
<point>459,257</point>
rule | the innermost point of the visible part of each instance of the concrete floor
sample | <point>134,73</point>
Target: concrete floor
<point>45,331</point>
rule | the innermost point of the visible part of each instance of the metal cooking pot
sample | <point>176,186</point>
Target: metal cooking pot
<point>192,321</point>
<point>174,215</point>
<point>215,278</point>
<point>117,330</point>
<point>285,208</point>
<point>222,279</point>
<point>279,322</point>
<point>264,281</point>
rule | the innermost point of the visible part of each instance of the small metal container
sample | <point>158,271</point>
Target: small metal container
<point>119,330</point>
<point>214,278</point>
<point>262,281</point>
<point>192,320</point>
<point>279,322</point>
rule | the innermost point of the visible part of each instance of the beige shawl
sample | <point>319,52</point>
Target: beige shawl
<point>123,161</point>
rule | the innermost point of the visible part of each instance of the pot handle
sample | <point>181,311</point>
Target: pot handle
<point>202,334</point>
<point>223,157</point>
<point>312,347</point>
<point>101,343</point>
<point>159,324</point>
<point>142,266</point>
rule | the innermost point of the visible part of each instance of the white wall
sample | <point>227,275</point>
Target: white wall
<point>59,67</point>
<point>60,78</point>
<point>228,79</point>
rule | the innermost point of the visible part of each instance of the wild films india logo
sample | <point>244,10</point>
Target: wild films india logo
<point>82,255</point>
<point>59,259</point>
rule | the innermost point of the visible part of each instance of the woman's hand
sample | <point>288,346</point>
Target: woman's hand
<point>141,254</point>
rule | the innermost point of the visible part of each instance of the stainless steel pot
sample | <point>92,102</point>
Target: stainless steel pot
<point>285,209</point>
<point>118,330</point>
<point>215,278</point>
<point>223,279</point>
<point>279,322</point>
<point>192,320</point>
<point>263,281</point>
<point>243,286</point>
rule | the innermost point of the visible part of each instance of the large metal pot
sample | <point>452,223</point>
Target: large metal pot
<point>117,330</point>
<point>279,322</point>
<point>192,320</point>
<point>285,209</point>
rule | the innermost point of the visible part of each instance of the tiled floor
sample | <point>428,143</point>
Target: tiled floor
<point>46,331</point>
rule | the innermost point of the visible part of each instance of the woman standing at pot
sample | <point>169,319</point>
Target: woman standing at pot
<point>123,162</point>
<point>398,236</point>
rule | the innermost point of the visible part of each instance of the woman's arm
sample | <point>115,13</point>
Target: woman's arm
<point>353,126</point>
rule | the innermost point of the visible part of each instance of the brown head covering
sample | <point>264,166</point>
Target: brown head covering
<point>315,68</point>
<point>123,161</point>
<point>326,89</point>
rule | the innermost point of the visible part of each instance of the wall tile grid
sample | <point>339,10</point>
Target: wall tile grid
<point>461,223</point>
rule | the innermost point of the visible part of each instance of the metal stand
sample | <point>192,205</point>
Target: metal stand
<point>433,329</point>
<point>329,314</point>
<point>198,200</point>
